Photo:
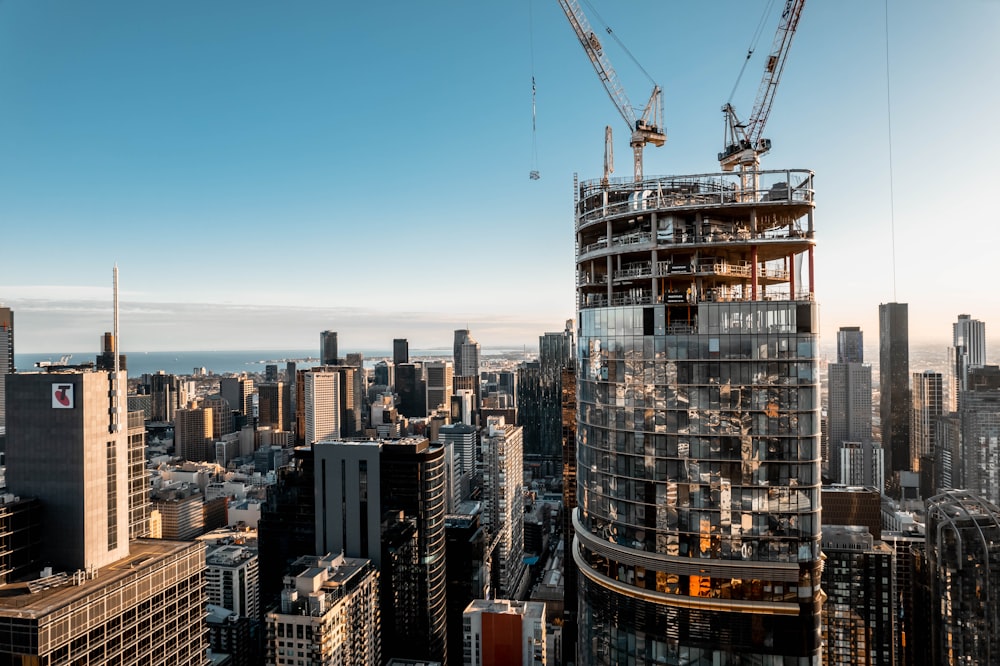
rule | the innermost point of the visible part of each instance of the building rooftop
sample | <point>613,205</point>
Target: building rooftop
<point>17,598</point>
<point>507,606</point>
<point>229,555</point>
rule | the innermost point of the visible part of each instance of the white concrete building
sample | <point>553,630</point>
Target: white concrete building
<point>321,395</point>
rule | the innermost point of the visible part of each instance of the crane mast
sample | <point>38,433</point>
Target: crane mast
<point>744,144</point>
<point>645,129</point>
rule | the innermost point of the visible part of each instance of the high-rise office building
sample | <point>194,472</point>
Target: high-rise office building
<point>963,568</point>
<point>222,415</point>
<point>193,434</point>
<point>357,483</point>
<point>968,351</point>
<point>413,483</point>
<point>321,404</point>
<point>894,383</point>
<point>468,391</point>
<point>271,372</point>
<point>462,437</point>
<point>71,447</point>
<point>6,356</point>
<point>861,464</point>
<point>948,452</point>
<point>167,395</point>
<point>539,393</point>
<point>466,354</point>
<point>849,399</point>
<point>385,374</point>
<point>287,525</point>
<point>328,348</point>
<point>980,423</point>
<point>400,351</point>
<point>860,610</point>
<point>698,464</point>
<point>439,384</point>
<point>850,345</point>
<point>273,407</point>
<point>411,387</point>
<point>351,399</point>
<point>67,447</point>
<point>238,392</point>
<point>348,498</point>
<point>555,351</point>
<point>928,407</point>
<point>503,510</point>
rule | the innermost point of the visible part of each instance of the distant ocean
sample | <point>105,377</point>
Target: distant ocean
<point>219,362</point>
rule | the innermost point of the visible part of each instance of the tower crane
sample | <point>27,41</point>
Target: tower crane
<point>646,129</point>
<point>744,144</point>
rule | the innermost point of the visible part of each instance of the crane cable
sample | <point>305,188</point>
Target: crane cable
<point>892,196</point>
<point>534,173</point>
<point>754,40</point>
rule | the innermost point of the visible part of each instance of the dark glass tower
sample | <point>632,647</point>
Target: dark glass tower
<point>413,482</point>
<point>697,534</point>
<point>400,351</point>
<point>287,524</point>
<point>894,383</point>
<point>328,347</point>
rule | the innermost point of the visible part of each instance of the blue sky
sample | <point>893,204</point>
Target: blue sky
<point>261,171</point>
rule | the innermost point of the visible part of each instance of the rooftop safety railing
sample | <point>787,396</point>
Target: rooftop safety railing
<point>712,295</point>
<point>665,192</point>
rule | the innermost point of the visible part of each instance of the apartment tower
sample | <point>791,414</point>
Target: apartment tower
<point>698,427</point>
<point>503,511</point>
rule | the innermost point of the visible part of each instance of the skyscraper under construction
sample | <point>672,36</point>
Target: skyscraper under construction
<point>697,534</point>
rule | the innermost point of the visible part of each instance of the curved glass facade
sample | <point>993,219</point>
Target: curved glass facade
<point>698,462</point>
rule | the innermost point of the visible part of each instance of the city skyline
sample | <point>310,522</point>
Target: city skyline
<point>240,137</point>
